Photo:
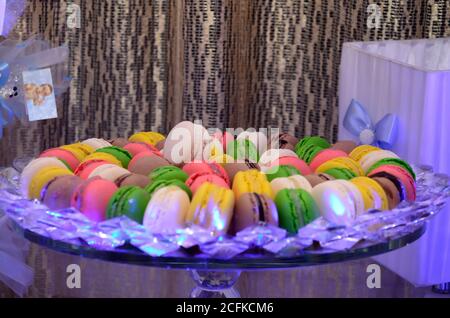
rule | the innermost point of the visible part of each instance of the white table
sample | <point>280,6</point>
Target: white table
<point>411,79</point>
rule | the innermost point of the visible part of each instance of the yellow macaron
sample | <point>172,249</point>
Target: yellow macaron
<point>251,181</point>
<point>212,208</point>
<point>103,156</point>
<point>341,162</point>
<point>376,189</point>
<point>44,176</point>
<point>79,150</point>
<point>149,137</point>
<point>360,151</point>
<point>221,159</point>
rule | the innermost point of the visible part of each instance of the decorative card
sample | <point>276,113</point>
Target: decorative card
<point>39,94</point>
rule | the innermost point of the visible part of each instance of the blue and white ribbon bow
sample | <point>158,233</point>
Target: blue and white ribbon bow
<point>358,122</point>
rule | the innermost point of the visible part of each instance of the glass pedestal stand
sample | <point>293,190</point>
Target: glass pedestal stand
<point>216,277</point>
<point>215,284</point>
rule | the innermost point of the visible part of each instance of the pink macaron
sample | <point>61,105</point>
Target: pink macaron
<point>84,169</point>
<point>295,162</point>
<point>62,154</point>
<point>401,175</point>
<point>326,155</point>
<point>92,197</point>
<point>135,148</point>
<point>209,167</point>
<point>197,179</point>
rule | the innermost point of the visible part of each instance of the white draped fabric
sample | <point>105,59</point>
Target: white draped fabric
<point>411,79</point>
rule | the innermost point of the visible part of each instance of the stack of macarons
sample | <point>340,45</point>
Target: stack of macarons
<point>219,181</point>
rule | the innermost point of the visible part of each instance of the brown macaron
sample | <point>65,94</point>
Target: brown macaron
<point>285,141</point>
<point>119,142</point>
<point>345,145</point>
<point>391,191</point>
<point>233,168</point>
<point>315,179</point>
<point>132,179</point>
<point>57,193</point>
<point>160,144</point>
<point>145,163</point>
<point>252,208</point>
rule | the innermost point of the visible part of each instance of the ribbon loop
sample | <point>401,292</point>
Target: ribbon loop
<point>358,122</point>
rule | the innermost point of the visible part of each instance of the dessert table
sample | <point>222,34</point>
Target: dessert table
<point>410,79</point>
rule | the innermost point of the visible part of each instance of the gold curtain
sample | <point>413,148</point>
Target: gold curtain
<point>147,64</point>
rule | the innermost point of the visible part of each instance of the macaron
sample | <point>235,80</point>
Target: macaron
<point>394,162</point>
<point>103,156</point>
<point>145,162</point>
<point>339,201</point>
<point>42,177</point>
<point>223,137</point>
<point>158,184</point>
<point>212,208</point>
<point>281,171</point>
<point>315,179</point>
<point>33,167</point>
<point>271,156</point>
<point>295,162</point>
<point>57,193</point>
<point>210,167</point>
<point>79,150</point>
<point>96,143</point>
<point>376,192</point>
<point>92,198</point>
<point>340,173</point>
<point>308,147</point>
<point>407,184</point>
<point>360,151</point>
<point>257,138</point>
<point>120,154</point>
<point>166,211</point>
<point>346,146</point>
<point>221,159</point>
<point>234,167</point>
<point>109,172</point>
<point>291,182</point>
<point>196,180</point>
<point>62,154</point>
<point>132,179</point>
<point>185,143</point>
<point>135,148</point>
<point>148,137</point>
<point>168,173</point>
<point>373,157</point>
<point>252,209</point>
<point>119,142</point>
<point>283,141</point>
<point>390,189</point>
<point>85,168</point>
<point>324,156</point>
<point>243,149</point>
<point>251,181</point>
<point>130,201</point>
<point>341,162</point>
<point>296,208</point>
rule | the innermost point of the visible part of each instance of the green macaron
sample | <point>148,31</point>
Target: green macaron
<point>243,149</point>
<point>120,154</point>
<point>308,147</point>
<point>130,201</point>
<point>312,140</point>
<point>341,173</point>
<point>168,173</point>
<point>296,208</point>
<point>394,162</point>
<point>158,184</point>
<point>281,171</point>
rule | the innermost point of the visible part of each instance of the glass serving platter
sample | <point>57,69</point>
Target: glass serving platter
<point>215,263</point>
